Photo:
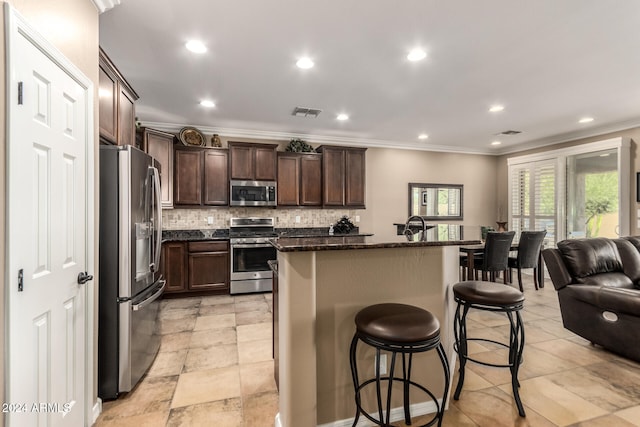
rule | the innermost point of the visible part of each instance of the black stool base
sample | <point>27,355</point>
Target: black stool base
<point>515,345</point>
<point>407,353</point>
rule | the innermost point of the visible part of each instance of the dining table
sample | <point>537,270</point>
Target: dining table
<point>478,249</point>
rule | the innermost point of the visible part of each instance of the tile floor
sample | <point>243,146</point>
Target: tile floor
<point>215,369</point>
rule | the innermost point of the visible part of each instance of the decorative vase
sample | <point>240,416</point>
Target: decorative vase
<point>502,225</point>
<point>215,141</point>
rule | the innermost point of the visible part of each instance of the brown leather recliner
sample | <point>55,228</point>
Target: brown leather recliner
<point>598,284</point>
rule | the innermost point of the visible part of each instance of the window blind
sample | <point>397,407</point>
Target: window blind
<point>533,202</point>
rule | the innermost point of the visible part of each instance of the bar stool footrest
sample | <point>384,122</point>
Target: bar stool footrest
<point>471,359</point>
<point>433,398</point>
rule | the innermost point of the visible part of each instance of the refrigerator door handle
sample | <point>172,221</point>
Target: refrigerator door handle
<point>157,221</point>
<point>152,298</point>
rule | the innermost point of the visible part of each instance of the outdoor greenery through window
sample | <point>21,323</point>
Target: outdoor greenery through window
<point>573,192</point>
<point>592,194</point>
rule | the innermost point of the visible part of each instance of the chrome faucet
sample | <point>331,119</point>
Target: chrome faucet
<point>407,229</point>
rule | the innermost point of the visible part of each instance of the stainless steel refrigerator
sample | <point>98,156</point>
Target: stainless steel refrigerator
<point>130,283</point>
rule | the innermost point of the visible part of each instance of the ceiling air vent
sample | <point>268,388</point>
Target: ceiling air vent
<point>509,132</point>
<point>306,112</point>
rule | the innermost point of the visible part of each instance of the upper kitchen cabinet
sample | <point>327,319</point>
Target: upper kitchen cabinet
<point>116,105</point>
<point>253,162</point>
<point>344,176</point>
<point>216,177</point>
<point>299,179</point>
<point>160,145</point>
<point>201,177</point>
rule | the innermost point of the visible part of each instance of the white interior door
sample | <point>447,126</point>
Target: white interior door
<point>47,237</point>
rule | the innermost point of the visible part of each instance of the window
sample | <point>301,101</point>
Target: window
<point>533,198</point>
<point>580,191</point>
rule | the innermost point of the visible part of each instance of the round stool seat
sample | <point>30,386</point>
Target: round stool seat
<point>399,323</point>
<point>487,293</point>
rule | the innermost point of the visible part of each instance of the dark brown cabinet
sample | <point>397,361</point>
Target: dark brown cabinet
<point>199,266</point>
<point>116,105</point>
<point>343,175</point>
<point>174,266</point>
<point>208,266</point>
<point>299,179</point>
<point>107,104</point>
<point>160,145</point>
<point>187,179</point>
<point>216,178</point>
<point>253,162</point>
<point>355,177</point>
<point>201,177</point>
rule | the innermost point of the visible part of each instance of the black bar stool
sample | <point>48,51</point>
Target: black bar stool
<point>397,328</point>
<point>489,296</point>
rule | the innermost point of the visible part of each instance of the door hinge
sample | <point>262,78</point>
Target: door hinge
<point>20,280</point>
<point>19,93</point>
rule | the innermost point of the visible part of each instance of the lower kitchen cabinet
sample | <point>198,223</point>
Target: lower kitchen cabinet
<point>196,267</point>
<point>208,266</point>
<point>174,266</point>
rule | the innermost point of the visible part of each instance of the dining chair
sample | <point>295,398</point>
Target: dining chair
<point>529,247</point>
<point>495,255</point>
<point>463,257</point>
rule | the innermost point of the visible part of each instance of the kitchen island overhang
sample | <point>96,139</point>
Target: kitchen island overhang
<point>323,283</point>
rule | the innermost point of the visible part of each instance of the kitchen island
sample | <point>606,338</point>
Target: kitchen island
<point>323,283</point>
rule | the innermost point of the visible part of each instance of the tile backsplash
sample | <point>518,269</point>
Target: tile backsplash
<point>186,219</point>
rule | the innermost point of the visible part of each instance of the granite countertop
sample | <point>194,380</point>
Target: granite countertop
<point>439,235</point>
<point>298,244</point>
<point>223,234</point>
<point>316,232</point>
<point>194,235</point>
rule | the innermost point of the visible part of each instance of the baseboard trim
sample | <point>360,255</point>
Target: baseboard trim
<point>97,410</point>
<point>397,414</point>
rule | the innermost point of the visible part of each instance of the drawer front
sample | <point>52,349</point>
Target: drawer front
<point>208,246</point>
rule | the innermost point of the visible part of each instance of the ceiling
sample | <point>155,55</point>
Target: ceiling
<point>548,62</point>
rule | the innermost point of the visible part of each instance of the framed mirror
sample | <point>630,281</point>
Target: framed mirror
<point>435,201</point>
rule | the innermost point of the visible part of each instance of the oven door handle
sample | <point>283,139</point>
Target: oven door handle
<point>251,246</point>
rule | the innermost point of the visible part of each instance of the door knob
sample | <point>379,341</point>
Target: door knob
<point>84,277</point>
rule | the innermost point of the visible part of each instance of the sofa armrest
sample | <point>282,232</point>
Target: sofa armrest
<point>617,300</point>
<point>557,269</point>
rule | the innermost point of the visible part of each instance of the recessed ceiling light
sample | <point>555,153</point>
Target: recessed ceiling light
<point>496,143</point>
<point>196,46</point>
<point>342,117</point>
<point>605,154</point>
<point>423,136</point>
<point>496,108</point>
<point>305,63</point>
<point>585,120</point>
<point>207,103</point>
<point>416,55</point>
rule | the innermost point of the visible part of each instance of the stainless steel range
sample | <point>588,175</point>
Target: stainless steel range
<point>250,251</point>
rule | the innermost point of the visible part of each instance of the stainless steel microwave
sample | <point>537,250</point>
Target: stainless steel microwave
<point>253,193</point>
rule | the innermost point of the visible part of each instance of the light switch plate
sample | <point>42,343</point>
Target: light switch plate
<point>357,218</point>
<point>209,220</point>
<point>297,218</point>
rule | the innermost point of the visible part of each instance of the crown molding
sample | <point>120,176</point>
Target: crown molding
<point>400,145</point>
<point>571,136</point>
<point>317,139</point>
<point>104,5</point>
